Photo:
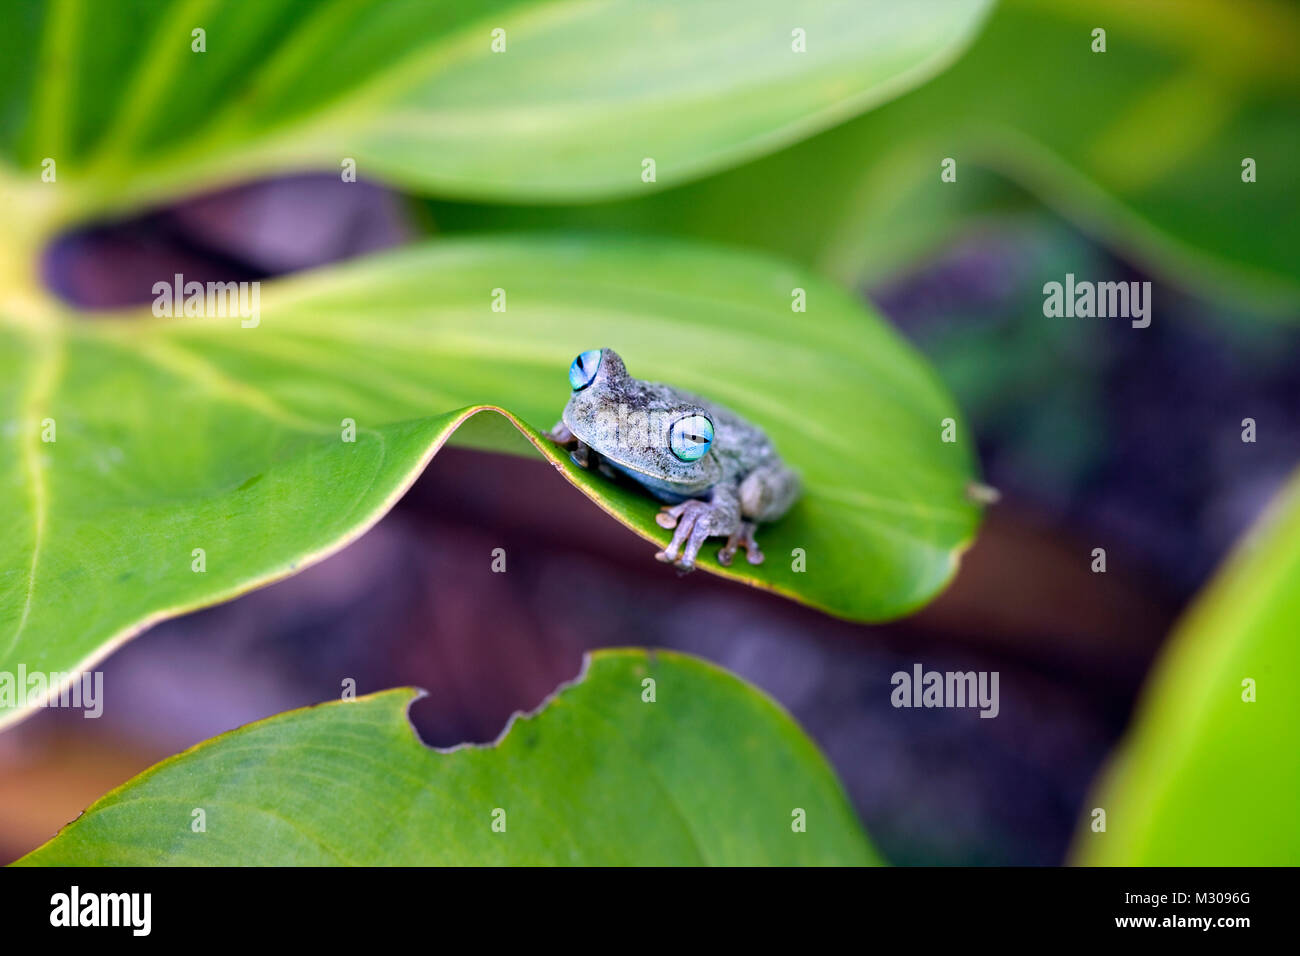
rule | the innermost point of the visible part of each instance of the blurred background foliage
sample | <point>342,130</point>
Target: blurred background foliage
<point>1209,774</point>
<point>1123,165</point>
<point>1140,146</point>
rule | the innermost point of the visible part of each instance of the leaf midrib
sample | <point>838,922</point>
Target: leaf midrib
<point>35,399</point>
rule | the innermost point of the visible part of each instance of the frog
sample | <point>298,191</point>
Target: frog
<point>716,474</point>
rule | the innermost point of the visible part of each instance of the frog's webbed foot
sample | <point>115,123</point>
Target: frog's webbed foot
<point>695,521</point>
<point>742,537</point>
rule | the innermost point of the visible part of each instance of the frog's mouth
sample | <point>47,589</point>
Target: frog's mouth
<point>664,488</point>
<point>707,474</point>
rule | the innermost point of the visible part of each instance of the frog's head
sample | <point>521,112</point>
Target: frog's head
<point>652,432</point>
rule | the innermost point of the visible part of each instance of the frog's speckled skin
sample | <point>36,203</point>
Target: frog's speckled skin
<point>738,482</point>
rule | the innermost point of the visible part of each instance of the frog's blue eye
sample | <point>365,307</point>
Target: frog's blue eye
<point>690,437</point>
<point>584,369</point>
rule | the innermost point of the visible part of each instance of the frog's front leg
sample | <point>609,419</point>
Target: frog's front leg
<point>696,521</point>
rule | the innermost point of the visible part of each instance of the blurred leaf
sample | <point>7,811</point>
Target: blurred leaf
<point>179,434</point>
<point>863,215</point>
<point>709,773</point>
<point>411,89</point>
<point>1141,145</point>
<point>1206,778</point>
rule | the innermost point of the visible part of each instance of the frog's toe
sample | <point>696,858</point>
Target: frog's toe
<point>743,537</point>
<point>669,554</point>
<point>728,550</point>
<point>682,563</point>
<point>692,523</point>
<point>701,530</point>
<point>668,515</point>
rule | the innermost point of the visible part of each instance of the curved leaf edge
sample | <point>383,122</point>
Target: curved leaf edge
<point>410,695</point>
<point>552,453</point>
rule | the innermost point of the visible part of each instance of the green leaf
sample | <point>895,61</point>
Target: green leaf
<point>710,772</point>
<point>412,90</point>
<point>196,460</point>
<point>1141,145</point>
<point>178,434</point>
<point>1206,777</point>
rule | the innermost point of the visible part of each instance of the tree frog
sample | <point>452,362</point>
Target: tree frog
<point>719,474</point>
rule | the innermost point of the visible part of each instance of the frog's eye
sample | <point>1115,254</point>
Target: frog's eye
<point>690,437</point>
<point>584,369</point>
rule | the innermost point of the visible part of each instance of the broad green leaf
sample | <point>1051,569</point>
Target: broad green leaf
<point>191,464</point>
<point>178,434</point>
<point>1141,145</point>
<point>583,92</point>
<point>710,772</point>
<point>1206,776</point>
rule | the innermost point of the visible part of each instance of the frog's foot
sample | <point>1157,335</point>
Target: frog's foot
<point>695,521</point>
<point>580,456</point>
<point>584,456</point>
<point>742,537</point>
<point>560,434</point>
<point>578,451</point>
